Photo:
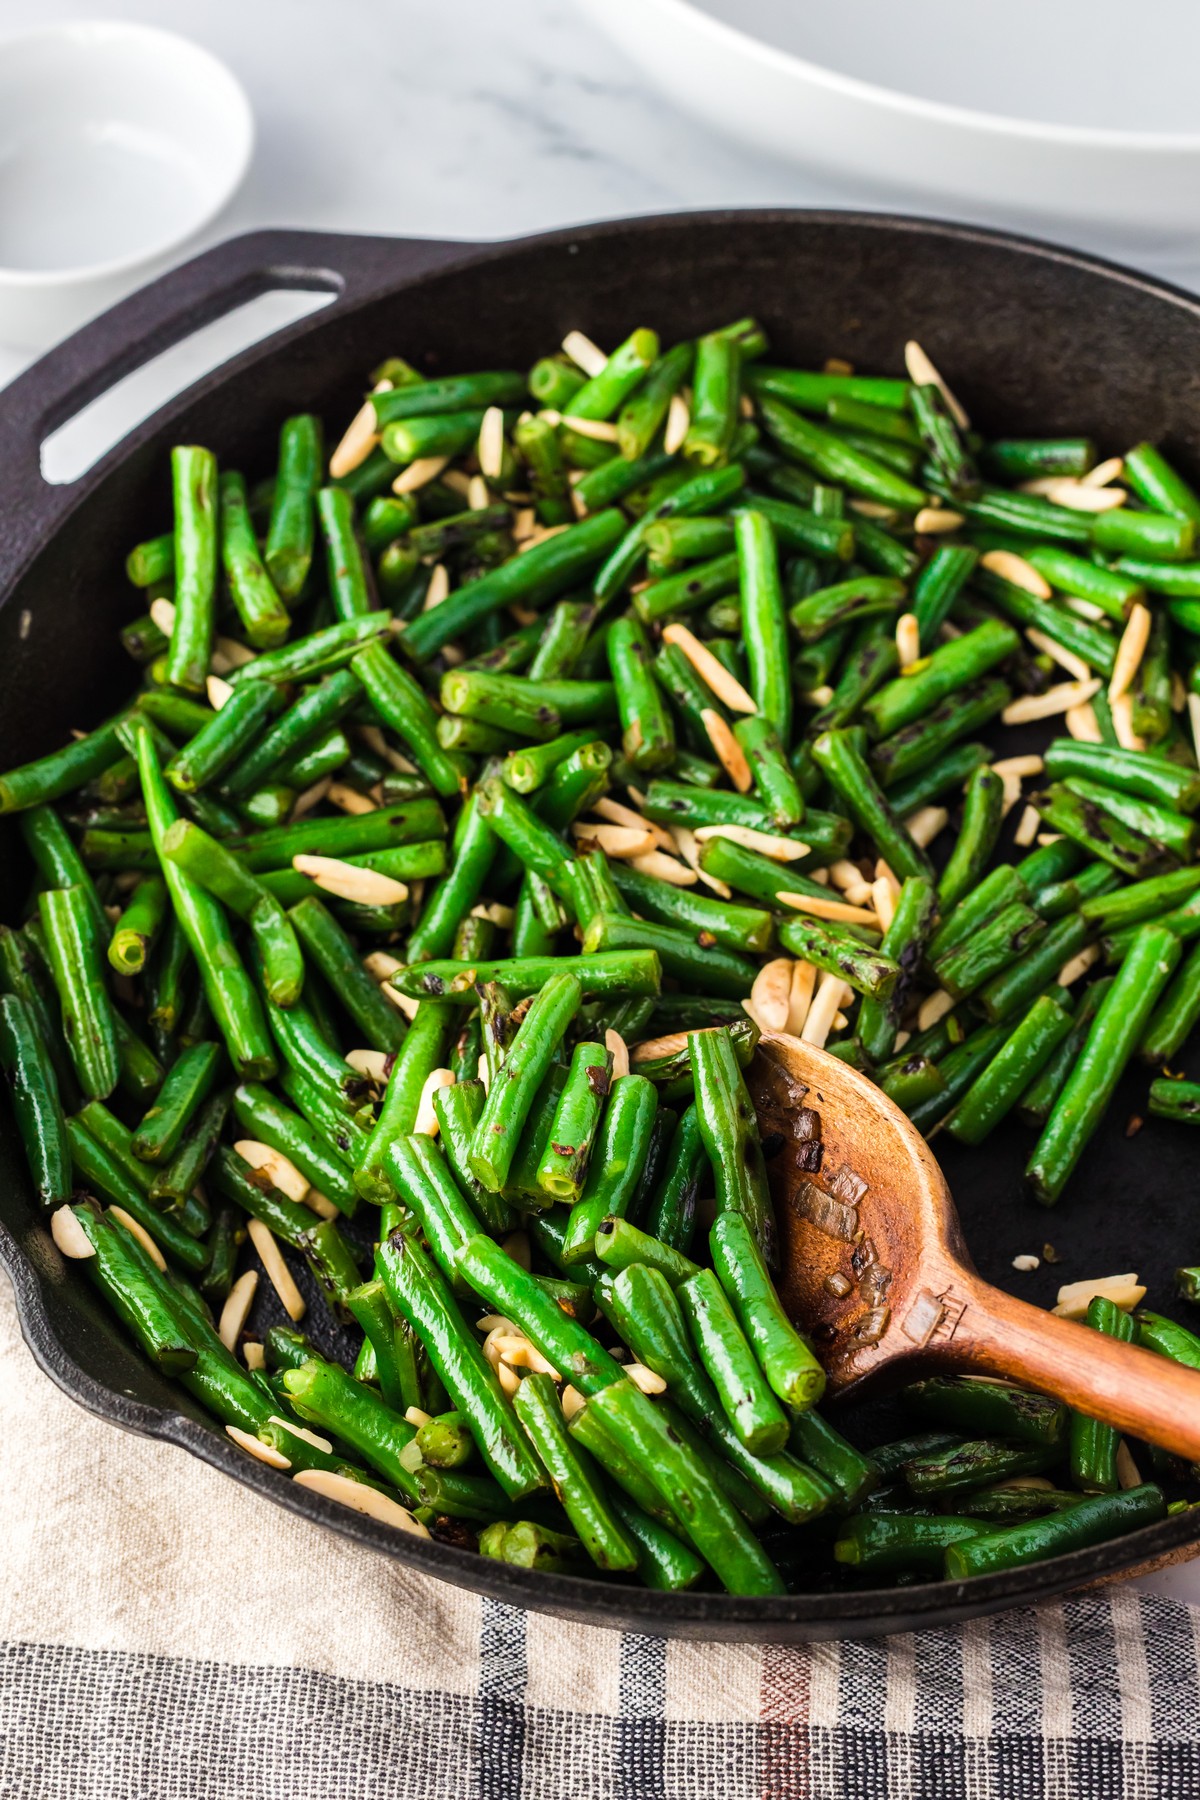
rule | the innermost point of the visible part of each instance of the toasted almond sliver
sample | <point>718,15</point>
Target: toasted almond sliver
<point>1078,496</point>
<point>1013,568</point>
<point>1125,1291</point>
<point>425,1123</point>
<point>500,915</point>
<point>616,814</point>
<point>664,868</point>
<point>311,796</point>
<point>922,373</point>
<point>873,509</point>
<point>380,964</point>
<point>1078,965</point>
<point>1018,765</point>
<point>301,1431</point>
<point>1055,700</point>
<point>350,882</point>
<point>602,430</point>
<point>908,639</point>
<point>374,1064</point>
<point>280,1172</point>
<point>417,1416</point>
<point>800,993</point>
<point>931,521</point>
<point>779,849</point>
<point>645,1378</point>
<point>651,1049</point>
<point>236,1309</point>
<point>614,840</point>
<point>582,351</point>
<point>729,752</point>
<point>934,1007</point>
<point>1027,828</point>
<point>572,1402</point>
<point>830,909</point>
<point>770,994</point>
<point>491,443</point>
<point>218,691</point>
<point>360,1498</point>
<point>438,588</point>
<point>1122,717</point>
<point>1066,659</point>
<point>845,874</point>
<point>348,799</point>
<point>884,898</point>
<point>324,1209</point>
<point>1086,609</point>
<point>478,494</point>
<point>278,1273</point>
<point>689,849</point>
<point>253,1356</point>
<point>618,1049</point>
<point>1193,707</point>
<point>141,1234</point>
<point>861,894</point>
<point>1128,1473</point>
<point>70,1236</point>
<point>162,614</point>
<point>710,669</point>
<point>679,419</point>
<point>827,1003</point>
<point>228,654</point>
<point>404,1003</point>
<point>925,824</point>
<point>1130,650</point>
<point>419,474</point>
<point>1083,725</point>
<point>264,1453</point>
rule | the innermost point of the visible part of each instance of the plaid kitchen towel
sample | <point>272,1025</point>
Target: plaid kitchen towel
<point>165,1635</point>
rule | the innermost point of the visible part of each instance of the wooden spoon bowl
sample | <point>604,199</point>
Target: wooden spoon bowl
<point>874,1267</point>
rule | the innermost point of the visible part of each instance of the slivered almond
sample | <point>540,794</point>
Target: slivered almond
<point>935,1006</point>
<point>860,894</point>
<point>360,437</point>
<point>800,993</point>
<point>491,443</point>
<point>664,868</point>
<point>478,494</point>
<point>379,964</point>
<point>1130,650</point>
<point>162,614</point>
<point>404,1003</point>
<point>500,915</point>
<point>1127,1472</point>
<point>1018,765</point>
<point>141,1234</point>
<point>1122,717</point>
<point>416,1415</point>
<point>301,1431</point>
<point>922,373</point>
<point>367,887</point>
<point>419,474</point>
<point>1027,827</point>
<point>614,840</point>
<point>770,994</point>
<point>618,1049</point>
<point>1179,692</point>
<point>1104,472</point>
<point>1055,700</point>
<point>873,509</point>
<point>278,1273</point>
<point>689,849</point>
<point>651,1049</point>
<point>425,1123</point>
<point>925,824</point>
<point>710,669</point>
<point>932,521</point>
<point>830,909</point>
<point>1083,725</point>
<point>348,799</point>
<point>371,1063</point>
<point>228,654</point>
<point>616,814</point>
<point>845,874</point>
<point>885,872</point>
<point>311,796</point>
<point>253,1356</point>
<point>679,419</point>
<point>360,1498</point>
<point>884,897</point>
<point>483,1072</point>
<point>908,639</point>
<point>1077,496</point>
<point>1078,965</point>
<point>279,1171</point>
<point>1066,659</point>
<point>1013,568</point>
<point>458,481</point>
<point>572,1402</point>
<point>264,1453</point>
<point>236,1309</point>
<point>324,1209</point>
<point>1193,708</point>
<point>1086,609</point>
<point>602,430</point>
<point>582,351</point>
<point>517,1351</point>
<point>645,1378</point>
<point>70,1236</point>
<point>818,696</point>
<point>728,751</point>
<point>218,691</point>
<point>1125,1291</point>
<point>438,588</point>
<point>826,1004</point>
<point>537,536</point>
<point>779,849</point>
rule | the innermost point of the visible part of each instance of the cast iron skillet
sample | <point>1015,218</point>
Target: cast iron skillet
<point>1035,338</point>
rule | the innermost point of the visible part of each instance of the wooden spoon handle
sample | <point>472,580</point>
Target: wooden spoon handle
<point>1136,1390</point>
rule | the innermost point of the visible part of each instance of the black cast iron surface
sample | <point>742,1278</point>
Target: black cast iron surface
<point>1036,339</point>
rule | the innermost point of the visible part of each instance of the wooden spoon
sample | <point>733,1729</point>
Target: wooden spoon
<point>875,1268</point>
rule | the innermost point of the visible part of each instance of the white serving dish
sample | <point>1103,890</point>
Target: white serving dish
<point>118,143</point>
<point>1071,112</point>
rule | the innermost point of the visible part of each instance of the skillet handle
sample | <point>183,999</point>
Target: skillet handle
<point>1136,1390</point>
<point>44,396</point>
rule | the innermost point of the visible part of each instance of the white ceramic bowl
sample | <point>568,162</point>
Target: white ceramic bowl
<point>1038,111</point>
<point>118,143</point>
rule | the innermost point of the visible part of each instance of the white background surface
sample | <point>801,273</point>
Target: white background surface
<point>467,119</point>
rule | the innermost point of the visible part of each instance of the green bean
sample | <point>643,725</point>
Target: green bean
<point>619,1152</point>
<point>188,1084</point>
<point>1161,536</point>
<point>26,1064</point>
<point>75,957</point>
<point>904,942</point>
<point>851,1473</point>
<point>58,862</point>
<point>729,1133</point>
<point>898,1543</point>
<point>813,392</point>
<point>289,546</point>
<point>618,972</point>
<point>99,1171</point>
<point>1021,1059</point>
<point>774,779</point>
<point>713,969</point>
<point>419,1055</point>
<point>402,705</point>
<point>1093,1445</point>
<point>788,1363</point>
<point>718,921</point>
<point>318,653</point>
<point>648,740</point>
<point>335,956</point>
<point>573,1476</point>
<point>765,619</point>
<point>512,1093</point>
<point>138,926</point>
<point>263,614</point>
<point>406,822</point>
<point>914,747</point>
<point>564,1163</point>
<point>221,742</point>
<point>869,971</point>
<point>832,460</point>
<point>839,757</point>
<point>62,771</point>
<point>1099,830</point>
<point>948,669</point>
<point>1092,1521</point>
<point>716,384</point>
<point>670,1216</point>
<point>266,1119</point>
<point>194,486</point>
<point>173,1187</point>
<point>977,1407</point>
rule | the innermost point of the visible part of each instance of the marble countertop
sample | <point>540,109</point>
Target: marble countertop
<point>469,120</point>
